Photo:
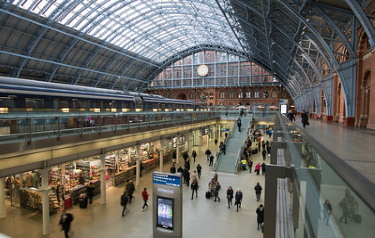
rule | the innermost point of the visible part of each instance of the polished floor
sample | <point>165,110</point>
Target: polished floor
<point>201,217</point>
<point>352,144</point>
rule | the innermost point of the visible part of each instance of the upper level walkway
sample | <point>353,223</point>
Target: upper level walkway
<point>353,145</point>
<point>228,162</point>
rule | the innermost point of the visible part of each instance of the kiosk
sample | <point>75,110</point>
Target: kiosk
<point>167,211</point>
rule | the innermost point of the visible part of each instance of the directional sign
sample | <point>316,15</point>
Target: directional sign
<point>166,179</point>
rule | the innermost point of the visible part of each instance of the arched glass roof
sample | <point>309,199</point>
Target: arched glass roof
<point>154,29</point>
<point>124,44</point>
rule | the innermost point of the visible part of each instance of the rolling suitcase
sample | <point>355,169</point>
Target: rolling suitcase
<point>208,194</point>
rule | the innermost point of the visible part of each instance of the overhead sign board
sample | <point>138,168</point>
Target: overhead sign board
<point>166,179</point>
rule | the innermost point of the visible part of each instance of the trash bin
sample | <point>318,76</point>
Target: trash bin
<point>83,200</point>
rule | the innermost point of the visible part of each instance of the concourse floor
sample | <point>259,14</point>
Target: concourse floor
<point>201,217</point>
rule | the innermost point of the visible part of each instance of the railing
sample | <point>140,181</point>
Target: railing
<point>321,176</point>
<point>151,120</point>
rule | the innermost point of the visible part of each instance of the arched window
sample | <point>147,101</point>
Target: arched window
<point>230,94</point>
<point>248,94</point>
<point>211,96</point>
<point>265,94</point>
<point>256,94</point>
<point>240,94</point>
<point>283,94</point>
<point>222,94</point>
<point>274,94</point>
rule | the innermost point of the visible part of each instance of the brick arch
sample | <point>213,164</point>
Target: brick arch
<point>181,96</point>
<point>364,99</point>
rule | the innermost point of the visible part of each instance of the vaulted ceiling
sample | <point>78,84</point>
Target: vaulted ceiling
<point>122,44</point>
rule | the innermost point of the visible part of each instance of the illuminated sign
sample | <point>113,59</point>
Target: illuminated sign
<point>166,179</point>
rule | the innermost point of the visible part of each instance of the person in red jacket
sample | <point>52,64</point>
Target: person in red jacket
<point>145,195</point>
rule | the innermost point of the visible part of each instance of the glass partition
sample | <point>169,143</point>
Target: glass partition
<point>16,127</point>
<point>328,205</point>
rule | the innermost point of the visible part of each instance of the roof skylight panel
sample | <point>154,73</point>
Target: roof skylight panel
<point>49,10</point>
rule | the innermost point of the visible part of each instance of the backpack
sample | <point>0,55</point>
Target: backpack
<point>124,200</point>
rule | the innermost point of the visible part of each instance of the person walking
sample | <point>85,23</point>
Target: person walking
<point>194,176</point>
<point>186,175</point>
<point>212,157</point>
<point>250,164</point>
<point>344,204</point>
<point>90,191</point>
<point>223,148</point>
<point>194,188</point>
<point>260,216</point>
<point>263,168</point>
<point>211,186</point>
<point>327,210</point>
<point>264,154</point>
<point>124,201</point>
<point>305,119</point>
<point>230,193</point>
<point>258,191</point>
<point>172,170</point>
<point>216,192</point>
<point>208,153</point>
<point>257,168</point>
<point>194,154</point>
<point>268,149</point>
<point>185,156</point>
<point>199,170</point>
<point>239,124</point>
<point>291,115</point>
<point>130,188</point>
<point>65,222</point>
<point>180,170</point>
<point>238,198</point>
<point>145,196</point>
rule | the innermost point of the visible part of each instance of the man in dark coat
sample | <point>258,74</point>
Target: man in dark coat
<point>238,198</point>
<point>90,191</point>
<point>65,221</point>
<point>305,118</point>
<point>124,201</point>
<point>208,153</point>
<point>185,156</point>
<point>130,188</point>
<point>260,216</point>
<point>258,191</point>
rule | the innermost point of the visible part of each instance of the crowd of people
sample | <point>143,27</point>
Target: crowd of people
<point>191,177</point>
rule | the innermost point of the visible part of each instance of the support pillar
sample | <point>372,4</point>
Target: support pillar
<point>275,145</point>
<point>219,137</point>
<point>161,154</point>
<point>189,139</point>
<point>178,149</point>
<point>200,140</point>
<point>2,198</point>
<point>208,137</point>
<point>138,165</point>
<point>44,190</point>
<point>102,170</point>
<point>270,197</point>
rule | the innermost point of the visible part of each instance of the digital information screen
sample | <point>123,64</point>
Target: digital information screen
<point>283,108</point>
<point>165,212</point>
<point>166,179</point>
